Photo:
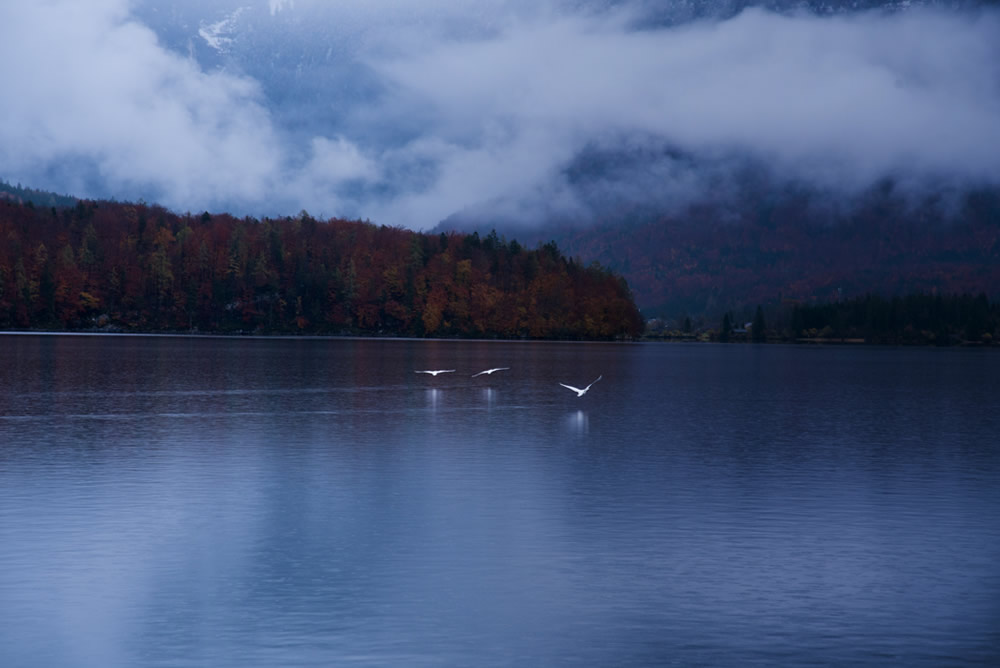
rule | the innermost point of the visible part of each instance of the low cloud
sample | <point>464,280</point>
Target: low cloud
<point>504,109</point>
<point>839,102</point>
<point>96,89</point>
<point>102,105</point>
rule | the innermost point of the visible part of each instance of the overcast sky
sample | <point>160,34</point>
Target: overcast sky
<point>407,112</point>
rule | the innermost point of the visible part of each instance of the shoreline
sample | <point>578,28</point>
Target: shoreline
<point>850,342</point>
<point>297,337</point>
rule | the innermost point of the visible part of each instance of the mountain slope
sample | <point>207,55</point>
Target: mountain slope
<point>779,245</point>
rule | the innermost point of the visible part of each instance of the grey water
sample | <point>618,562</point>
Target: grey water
<point>170,501</point>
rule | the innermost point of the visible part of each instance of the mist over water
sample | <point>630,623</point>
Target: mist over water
<point>252,502</point>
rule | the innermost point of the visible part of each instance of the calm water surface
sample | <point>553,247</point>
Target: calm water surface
<point>220,502</point>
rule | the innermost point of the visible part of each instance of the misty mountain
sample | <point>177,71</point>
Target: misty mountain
<point>324,81</point>
<point>765,243</point>
<point>305,55</point>
<point>409,112</point>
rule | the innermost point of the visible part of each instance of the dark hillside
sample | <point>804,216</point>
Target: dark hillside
<point>772,246</point>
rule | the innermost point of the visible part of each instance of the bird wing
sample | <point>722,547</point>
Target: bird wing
<point>595,380</point>
<point>490,371</point>
<point>570,387</point>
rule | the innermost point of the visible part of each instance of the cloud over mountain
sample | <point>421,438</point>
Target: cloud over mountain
<point>407,113</point>
<point>98,99</point>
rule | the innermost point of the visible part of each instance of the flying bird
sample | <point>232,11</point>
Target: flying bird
<point>435,372</point>
<point>489,371</point>
<point>579,392</point>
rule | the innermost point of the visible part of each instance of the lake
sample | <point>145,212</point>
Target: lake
<point>182,501</point>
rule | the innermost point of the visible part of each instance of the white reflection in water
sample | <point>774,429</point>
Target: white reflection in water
<point>433,399</point>
<point>490,397</point>
<point>578,422</point>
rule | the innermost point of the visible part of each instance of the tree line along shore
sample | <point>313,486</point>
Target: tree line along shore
<point>111,266</point>
<point>917,319</point>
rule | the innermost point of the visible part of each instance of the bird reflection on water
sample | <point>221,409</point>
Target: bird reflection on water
<point>490,397</point>
<point>578,422</point>
<point>433,398</point>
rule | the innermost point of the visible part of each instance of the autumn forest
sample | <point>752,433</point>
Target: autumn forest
<point>134,267</point>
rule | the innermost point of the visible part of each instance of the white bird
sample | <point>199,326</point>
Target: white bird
<point>579,392</point>
<point>489,371</point>
<point>435,372</point>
